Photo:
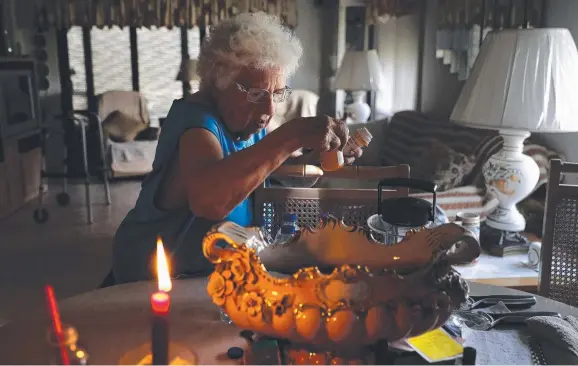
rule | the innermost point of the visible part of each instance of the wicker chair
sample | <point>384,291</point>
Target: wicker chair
<point>559,268</point>
<point>354,206</point>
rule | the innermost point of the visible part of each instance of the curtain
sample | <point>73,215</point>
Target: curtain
<point>63,14</point>
<point>397,43</point>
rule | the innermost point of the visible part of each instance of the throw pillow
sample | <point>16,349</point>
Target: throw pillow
<point>148,134</point>
<point>120,127</point>
<point>443,165</point>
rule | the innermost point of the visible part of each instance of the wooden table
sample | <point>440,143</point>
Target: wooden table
<point>509,271</point>
<point>113,320</point>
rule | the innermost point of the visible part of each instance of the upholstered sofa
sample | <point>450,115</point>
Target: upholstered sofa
<point>452,155</point>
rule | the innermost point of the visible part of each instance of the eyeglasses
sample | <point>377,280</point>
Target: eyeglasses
<point>256,95</point>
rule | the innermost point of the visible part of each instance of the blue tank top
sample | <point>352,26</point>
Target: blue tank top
<point>182,232</point>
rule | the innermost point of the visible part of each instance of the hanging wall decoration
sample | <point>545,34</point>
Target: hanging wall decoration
<point>464,24</point>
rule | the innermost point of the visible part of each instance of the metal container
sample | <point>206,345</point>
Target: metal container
<point>400,215</point>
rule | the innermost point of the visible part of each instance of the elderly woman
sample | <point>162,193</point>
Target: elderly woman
<point>213,151</point>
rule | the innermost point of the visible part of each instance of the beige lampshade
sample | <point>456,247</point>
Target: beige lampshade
<point>359,70</point>
<point>188,71</point>
<point>523,79</point>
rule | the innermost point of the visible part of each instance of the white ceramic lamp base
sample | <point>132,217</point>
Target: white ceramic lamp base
<point>511,176</point>
<point>359,111</point>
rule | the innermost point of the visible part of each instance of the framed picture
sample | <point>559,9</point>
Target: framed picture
<point>18,98</point>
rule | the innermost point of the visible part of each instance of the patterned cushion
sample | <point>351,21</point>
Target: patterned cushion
<point>443,165</point>
<point>409,132</point>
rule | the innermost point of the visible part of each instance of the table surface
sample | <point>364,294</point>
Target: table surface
<point>113,320</point>
<point>508,271</point>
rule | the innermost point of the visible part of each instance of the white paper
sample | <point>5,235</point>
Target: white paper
<point>498,347</point>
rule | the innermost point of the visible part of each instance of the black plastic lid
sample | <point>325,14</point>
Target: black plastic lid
<point>406,211</point>
<point>288,229</point>
<point>289,216</point>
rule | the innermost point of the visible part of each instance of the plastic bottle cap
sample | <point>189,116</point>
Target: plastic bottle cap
<point>289,217</point>
<point>365,134</point>
<point>287,229</point>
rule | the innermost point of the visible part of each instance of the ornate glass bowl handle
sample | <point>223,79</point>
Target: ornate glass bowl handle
<point>467,248</point>
<point>213,252</point>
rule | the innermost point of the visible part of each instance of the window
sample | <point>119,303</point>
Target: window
<point>76,60</point>
<point>159,53</point>
<point>194,45</point>
<point>111,62</point>
<point>159,61</point>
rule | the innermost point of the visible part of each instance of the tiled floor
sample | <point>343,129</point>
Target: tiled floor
<point>66,252</point>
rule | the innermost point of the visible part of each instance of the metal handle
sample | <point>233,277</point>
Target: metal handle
<point>212,251</point>
<point>502,297</point>
<point>419,184</point>
<point>527,301</point>
<point>521,316</point>
<point>422,185</point>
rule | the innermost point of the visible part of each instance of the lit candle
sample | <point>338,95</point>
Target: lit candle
<point>161,304</point>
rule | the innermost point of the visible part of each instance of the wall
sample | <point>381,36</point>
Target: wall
<point>439,89</point>
<point>309,31</point>
<point>562,13</point>
<point>49,99</point>
<point>332,42</point>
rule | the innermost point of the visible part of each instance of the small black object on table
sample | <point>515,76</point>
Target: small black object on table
<point>502,243</point>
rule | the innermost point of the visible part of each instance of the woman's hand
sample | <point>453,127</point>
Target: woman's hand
<point>320,133</point>
<point>353,155</point>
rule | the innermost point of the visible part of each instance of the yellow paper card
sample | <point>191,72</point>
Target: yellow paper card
<point>436,346</point>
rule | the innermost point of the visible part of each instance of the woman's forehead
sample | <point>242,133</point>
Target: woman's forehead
<point>269,79</point>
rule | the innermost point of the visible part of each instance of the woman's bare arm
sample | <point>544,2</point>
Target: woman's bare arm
<point>308,157</point>
<point>216,185</point>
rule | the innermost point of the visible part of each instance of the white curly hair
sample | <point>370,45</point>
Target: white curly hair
<point>255,40</point>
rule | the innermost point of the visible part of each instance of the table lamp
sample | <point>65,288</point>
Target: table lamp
<point>359,72</point>
<point>523,81</point>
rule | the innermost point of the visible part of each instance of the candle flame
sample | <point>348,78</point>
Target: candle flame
<point>163,273</point>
